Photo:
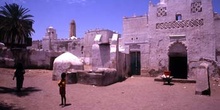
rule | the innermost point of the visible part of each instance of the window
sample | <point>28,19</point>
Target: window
<point>178,17</point>
<point>82,47</point>
<point>161,11</point>
<point>196,7</point>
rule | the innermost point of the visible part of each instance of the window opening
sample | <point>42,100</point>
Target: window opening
<point>178,17</point>
<point>161,11</point>
<point>196,7</point>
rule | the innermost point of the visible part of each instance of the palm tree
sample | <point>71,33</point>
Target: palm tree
<point>16,29</point>
<point>15,26</point>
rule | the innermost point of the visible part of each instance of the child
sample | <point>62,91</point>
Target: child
<point>62,85</point>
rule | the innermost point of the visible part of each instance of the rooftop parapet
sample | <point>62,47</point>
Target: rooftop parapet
<point>97,29</point>
<point>135,16</point>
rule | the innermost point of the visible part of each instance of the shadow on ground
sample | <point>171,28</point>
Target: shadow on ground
<point>67,105</point>
<point>5,106</point>
<point>170,84</point>
<point>24,92</point>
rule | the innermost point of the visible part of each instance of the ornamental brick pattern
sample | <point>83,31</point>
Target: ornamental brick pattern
<point>180,24</point>
<point>161,11</point>
<point>196,7</point>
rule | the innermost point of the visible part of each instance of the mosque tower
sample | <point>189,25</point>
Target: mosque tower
<point>72,29</point>
<point>50,33</point>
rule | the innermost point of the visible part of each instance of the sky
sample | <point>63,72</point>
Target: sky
<point>88,14</point>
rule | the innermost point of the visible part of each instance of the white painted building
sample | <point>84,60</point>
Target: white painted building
<point>174,35</point>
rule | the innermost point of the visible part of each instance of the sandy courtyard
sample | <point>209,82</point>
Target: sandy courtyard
<point>135,93</point>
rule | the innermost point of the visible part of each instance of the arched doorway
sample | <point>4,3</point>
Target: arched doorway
<point>178,60</point>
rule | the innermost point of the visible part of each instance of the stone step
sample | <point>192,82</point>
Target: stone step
<point>177,80</point>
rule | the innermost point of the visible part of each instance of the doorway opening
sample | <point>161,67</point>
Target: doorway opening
<point>178,66</point>
<point>178,60</point>
<point>135,63</point>
<point>51,62</point>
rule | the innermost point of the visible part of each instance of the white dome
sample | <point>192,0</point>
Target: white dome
<point>66,62</point>
<point>2,44</point>
<point>68,57</point>
<point>50,27</point>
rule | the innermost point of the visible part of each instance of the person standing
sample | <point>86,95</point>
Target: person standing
<point>19,74</point>
<point>62,86</point>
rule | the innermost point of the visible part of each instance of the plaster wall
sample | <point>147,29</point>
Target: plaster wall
<point>198,39</point>
<point>194,30</point>
<point>217,29</point>
<point>46,44</point>
<point>217,35</point>
<point>88,41</point>
<point>33,58</point>
<point>135,28</point>
<point>100,56</point>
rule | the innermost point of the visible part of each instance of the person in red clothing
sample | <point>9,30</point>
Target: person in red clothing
<point>62,86</point>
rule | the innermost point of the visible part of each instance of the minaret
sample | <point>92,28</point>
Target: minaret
<point>72,29</point>
<point>50,33</point>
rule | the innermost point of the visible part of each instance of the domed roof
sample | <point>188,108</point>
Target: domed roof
<point>68,57</point>
<point>2,44</point>
<point>50,27</point>
<point>66,62</point>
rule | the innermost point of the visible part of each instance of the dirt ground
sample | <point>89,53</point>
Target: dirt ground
<point>135,93</point>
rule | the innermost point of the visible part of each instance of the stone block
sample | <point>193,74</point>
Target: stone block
<point>71,78</point>
<point>202,80</point>
<point>90,78</point>
<point>97,78</point>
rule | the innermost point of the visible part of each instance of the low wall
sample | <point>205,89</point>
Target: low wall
<point>32,59</point>
<point>123,65</point>
<point>97,78</point>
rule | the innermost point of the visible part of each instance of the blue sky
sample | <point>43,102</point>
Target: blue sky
<point>88,14</point>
